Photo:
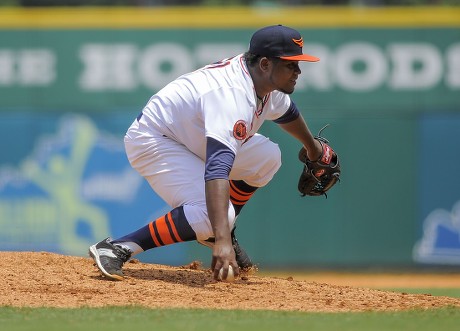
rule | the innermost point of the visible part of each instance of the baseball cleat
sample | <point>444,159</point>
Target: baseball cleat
<point>109,258</point>
<point>242,258</point>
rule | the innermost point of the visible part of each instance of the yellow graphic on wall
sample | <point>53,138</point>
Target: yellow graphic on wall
<point>54,209</point>
<point>61,179</point>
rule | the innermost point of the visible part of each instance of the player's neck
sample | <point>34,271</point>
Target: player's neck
<point>260,88</point>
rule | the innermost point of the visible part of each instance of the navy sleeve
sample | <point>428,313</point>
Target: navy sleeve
<point>219,160</point>
<point>290,115</point>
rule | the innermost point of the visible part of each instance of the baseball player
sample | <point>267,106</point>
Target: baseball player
<point>196,143</point>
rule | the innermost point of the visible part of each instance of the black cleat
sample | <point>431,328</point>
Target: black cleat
<point>109,258</point>
<point>242,258</point>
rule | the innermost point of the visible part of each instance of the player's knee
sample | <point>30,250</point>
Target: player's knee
<point>276,158</point>
<point>197,217</point>
<point>270,165</point>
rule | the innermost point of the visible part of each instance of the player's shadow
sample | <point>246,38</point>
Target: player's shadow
<point>180,275</point>
<point>192,278</point>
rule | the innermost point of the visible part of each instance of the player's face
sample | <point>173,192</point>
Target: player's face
<point>284,75</point>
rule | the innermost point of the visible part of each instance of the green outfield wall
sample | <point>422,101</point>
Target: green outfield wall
<point>72,81</point>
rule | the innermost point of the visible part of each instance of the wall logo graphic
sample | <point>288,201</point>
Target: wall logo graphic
<point>440,243</point>
<point>75,188</point>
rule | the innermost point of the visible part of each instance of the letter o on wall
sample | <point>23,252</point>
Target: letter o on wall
<point>374,71</point>
<point>175,57</point>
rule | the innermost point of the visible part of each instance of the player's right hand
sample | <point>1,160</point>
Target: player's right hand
<point>223,255</point>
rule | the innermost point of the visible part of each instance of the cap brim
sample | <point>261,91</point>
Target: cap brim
<point>301,57</point>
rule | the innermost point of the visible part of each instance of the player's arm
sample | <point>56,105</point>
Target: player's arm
<point>294,124</point>
<point>219,161</point>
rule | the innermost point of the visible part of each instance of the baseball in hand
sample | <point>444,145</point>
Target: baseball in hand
<point>230,275</point>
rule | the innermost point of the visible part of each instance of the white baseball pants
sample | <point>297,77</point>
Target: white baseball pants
<point>177,175</point>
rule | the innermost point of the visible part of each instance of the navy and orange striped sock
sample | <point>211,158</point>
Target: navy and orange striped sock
<point>165,230</point>
<point>240,193</point>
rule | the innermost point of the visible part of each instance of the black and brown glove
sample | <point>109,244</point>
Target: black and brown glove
<point>319,176</point>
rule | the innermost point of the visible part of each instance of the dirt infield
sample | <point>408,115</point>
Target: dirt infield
<point>52,280</point>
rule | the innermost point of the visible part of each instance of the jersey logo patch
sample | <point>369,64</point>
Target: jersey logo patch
<point>240,130</point>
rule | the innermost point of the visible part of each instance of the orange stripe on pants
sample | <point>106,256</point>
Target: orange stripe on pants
<point>237,190</point>
<point>152,234</point>
<point>239,197</point>
<point>173,227</point>
<point>163,230</point>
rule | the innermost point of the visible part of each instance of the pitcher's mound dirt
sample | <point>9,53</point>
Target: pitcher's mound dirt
<point>52,280</point>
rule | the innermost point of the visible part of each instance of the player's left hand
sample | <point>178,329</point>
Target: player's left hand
<point>319,176</point>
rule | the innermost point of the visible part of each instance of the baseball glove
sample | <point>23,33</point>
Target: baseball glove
<point>319,176</point>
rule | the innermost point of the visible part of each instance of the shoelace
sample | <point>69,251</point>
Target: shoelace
<point>122,253</point>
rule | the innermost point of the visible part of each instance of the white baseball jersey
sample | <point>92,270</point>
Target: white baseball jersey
<point>167,143</point>
<point>217,101</point>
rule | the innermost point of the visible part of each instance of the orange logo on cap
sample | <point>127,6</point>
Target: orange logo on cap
<point>299,42</point>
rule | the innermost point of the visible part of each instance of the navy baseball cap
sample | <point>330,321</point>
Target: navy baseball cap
<point>279,41</point>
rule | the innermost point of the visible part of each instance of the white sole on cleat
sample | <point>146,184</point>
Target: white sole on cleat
<point>95,256</point>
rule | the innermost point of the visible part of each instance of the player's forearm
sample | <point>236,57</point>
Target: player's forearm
<point>299,130</point>
<point>217,197</point>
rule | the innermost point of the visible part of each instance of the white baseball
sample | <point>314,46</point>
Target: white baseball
<point>230,275</point>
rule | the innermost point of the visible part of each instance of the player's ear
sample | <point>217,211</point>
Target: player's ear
<point>264,63</point>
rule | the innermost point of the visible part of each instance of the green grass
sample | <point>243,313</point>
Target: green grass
<point>136,319</point>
